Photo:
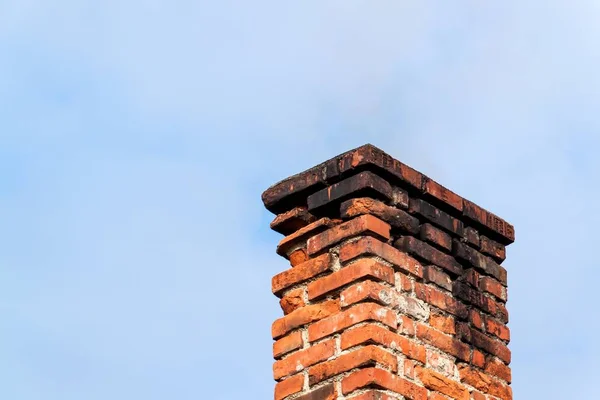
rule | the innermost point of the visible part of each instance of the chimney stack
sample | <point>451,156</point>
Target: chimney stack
<point>395,289</point>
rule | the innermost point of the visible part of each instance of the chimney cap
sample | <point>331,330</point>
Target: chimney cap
<point>293,191</point>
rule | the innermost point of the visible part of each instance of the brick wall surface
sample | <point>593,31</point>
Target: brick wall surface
<point>395,289</point>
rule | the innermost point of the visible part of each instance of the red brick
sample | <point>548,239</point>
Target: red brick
<point>422,250</point>
<point>479,261</point>
<point>497,368</point>
<point>407,325</point>
<point>438,382</point>
<point>497,329</point>
<point>303,359</point>
<point>367,356</point>
<point>435,275</point>
<point>437,396</point>
<point>477,299</point>
<point>444,342</point>
<point>443,323</point>
<point>476,319</point>
<point>406,283</point>
<point>436,237</point>
<point>471,236</point>
<point>369,377</point>
<point>442,194</point>
<point>440,300</point>
<point>299,238</point>
<point>361,225</point>
<point>326,392</point>
<point>300,273</point>
<point>289,386</point>
<point>436,216</point>
<point>286,344</point>
<point>361,184</point>
<point>372,157</point>
<point>304,316</point>
<point>290,221</point>
<point>366,291</point>
<point>491,346</point>
<point>397,218</point>
<point>373,395</point>
<point>366,334</point>
<point>352,316</point>
<point>298,257</point>
<point>485,383</point>
<point>492,286</point>
<point>409,369</point>
<point>373,247</point>
<point>472,277</point>
<point>504,231</point>
<point>463,332</point>
<point>493,249</point>
<point>478,358</point>
<point>293,300</point>
<point>477,396</point>
<point>363,268</point>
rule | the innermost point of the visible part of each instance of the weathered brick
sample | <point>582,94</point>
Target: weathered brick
<point>477,396</point>
<point>493,249</point>
<point>440,300</point>
<point>443,323</point>
<point>363,268</point>
<point>374,158</point>
<point>287,344</point>
<point>444,342</point>
<point>367,356</point>
<point>304,316</point>
<point>290,221</point>
<point>366,291</point>
<point>471,236</point>
<point>436,216</point>
<point>493,287</point>
<point>485,383</point>
<point>377,377</point>
<point>479,261</point>
<point>361,225</point>
<point>440,193</point>
<point>376,334</point>
<point>472,277</point>
<point>406,325</point>
<point>397,218</point>
<point>497,368</point>
<point>463,332</point>
<point>423,251</point>
<point>352,316</point>
<point>369,246</point>
<point>298,257</point>
<point>441,362</point>
<point>491,346</point>
<point>478,299</point>
<point>303,359</point>
<point>289,386</point>
<point>438,382</point>
<point>436,275</point>
<point>293,300</point>
<point>478,358</point>
<point>365,184</point>
<point>436,237</point>
<point>497,329</point>
<point>300,273</point>
<point>476,319</point>
<point>299,238</point>
<point>373,395</point>
<point>503,231</point>
<point>326,392</point>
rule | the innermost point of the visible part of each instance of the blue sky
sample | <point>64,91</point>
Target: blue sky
<point>137,137</point>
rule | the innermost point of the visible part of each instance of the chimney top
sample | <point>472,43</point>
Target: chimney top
<point>305,189</point>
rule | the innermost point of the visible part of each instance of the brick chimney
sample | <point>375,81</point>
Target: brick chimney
<point>395,289</point>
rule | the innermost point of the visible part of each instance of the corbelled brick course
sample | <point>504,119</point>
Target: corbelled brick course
<point>395,288</point>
